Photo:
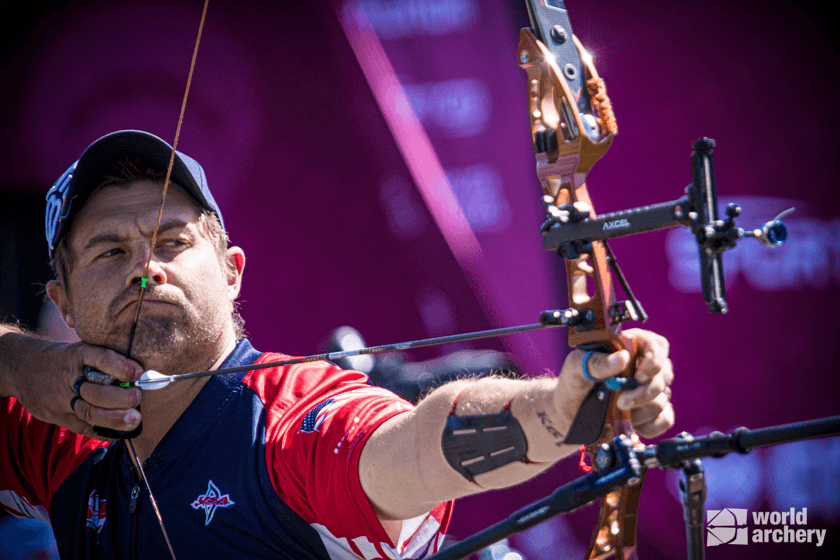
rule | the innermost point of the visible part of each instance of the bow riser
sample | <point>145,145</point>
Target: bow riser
<point>566,149</point>
<point>562,171</point>
<point>557,129</point>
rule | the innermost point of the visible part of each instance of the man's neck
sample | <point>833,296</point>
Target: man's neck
<point>160,409</point>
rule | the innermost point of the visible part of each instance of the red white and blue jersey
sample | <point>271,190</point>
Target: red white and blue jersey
<point>261,465</point>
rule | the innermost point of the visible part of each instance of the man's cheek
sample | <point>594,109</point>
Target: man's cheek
<point>95,328</point>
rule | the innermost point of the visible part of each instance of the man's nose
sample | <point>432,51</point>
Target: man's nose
<point>156,274</point>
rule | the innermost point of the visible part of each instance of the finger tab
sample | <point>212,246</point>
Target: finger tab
<point>98,377</point>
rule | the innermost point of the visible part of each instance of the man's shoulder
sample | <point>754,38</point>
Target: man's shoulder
<point>273,373</point>
<point>303,380</point>
<point>297,388</point>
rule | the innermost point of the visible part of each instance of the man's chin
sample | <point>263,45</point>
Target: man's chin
<point>170,349</point>
<point>157,341</point>
<point>166,344</point>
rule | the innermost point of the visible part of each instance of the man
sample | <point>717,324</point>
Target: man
<point>303,461</point>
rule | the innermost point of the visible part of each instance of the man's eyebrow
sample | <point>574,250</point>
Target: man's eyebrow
<point>117,238</point>
<point>103,238</point>
<point>172,224</point>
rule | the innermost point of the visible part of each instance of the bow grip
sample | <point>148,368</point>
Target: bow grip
<point>590,424</point>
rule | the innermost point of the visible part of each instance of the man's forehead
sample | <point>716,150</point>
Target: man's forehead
<point>138,196</point>
<point>137,202</point>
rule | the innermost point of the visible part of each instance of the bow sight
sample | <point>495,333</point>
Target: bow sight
<point>569,230</point>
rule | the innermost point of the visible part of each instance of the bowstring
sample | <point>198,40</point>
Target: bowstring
<point>166,180</point>
<point>149,264</point>
<point>151,498</point>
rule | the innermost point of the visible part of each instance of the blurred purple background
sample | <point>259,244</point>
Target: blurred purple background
<point>315,188</point>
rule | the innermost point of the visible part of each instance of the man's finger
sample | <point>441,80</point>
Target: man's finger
<point>601,366</point>
<point>75,424</point>
<point>653,352</point>
<point>110,396</point>
<point>653,419</point>
<point>648,391</point>
<point>110,362</point>
<point>117,419</point>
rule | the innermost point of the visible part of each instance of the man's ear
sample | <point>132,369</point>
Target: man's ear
<point>59,297</point>
<point>235,257</point>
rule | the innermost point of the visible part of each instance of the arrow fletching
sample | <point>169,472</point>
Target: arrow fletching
<point>152,380</point>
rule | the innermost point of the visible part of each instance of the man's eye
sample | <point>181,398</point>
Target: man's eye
<point>174,244</point>
<point>111,253</point>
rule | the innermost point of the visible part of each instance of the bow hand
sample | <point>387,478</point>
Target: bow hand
<point>649,403</point>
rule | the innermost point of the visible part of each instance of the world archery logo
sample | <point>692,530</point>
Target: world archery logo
<point>726,526</point>
<point>210,501</point>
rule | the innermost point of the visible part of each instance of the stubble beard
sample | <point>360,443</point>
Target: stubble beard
<point>173,340</point>
<point>174,346</point>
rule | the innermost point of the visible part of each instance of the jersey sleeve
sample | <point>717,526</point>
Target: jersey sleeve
<point>314,443</point>
<point>35,458</point>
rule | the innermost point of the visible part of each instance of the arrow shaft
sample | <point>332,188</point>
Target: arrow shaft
<point>331,356</point>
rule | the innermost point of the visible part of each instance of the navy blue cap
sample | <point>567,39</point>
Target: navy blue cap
<point>76,184</point>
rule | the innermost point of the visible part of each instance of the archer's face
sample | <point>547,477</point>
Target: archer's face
<point>186,310</point>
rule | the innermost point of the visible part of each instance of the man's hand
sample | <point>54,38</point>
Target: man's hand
<point>649,404</point>
<point>41,375</point>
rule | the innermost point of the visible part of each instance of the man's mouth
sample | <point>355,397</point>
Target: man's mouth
<point>155,302</point>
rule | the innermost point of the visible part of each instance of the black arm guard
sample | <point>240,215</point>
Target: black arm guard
<point>474,445</point>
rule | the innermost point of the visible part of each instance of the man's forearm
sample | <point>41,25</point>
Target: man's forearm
<point>534,405</point>
<point>408,449</point>
<point>19,352</point>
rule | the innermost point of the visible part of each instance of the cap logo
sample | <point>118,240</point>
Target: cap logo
<point>56,200</point>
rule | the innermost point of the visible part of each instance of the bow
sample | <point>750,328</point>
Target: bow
<point>572,126</point>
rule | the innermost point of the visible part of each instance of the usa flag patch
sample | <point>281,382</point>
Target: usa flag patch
<point>315,417</point>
